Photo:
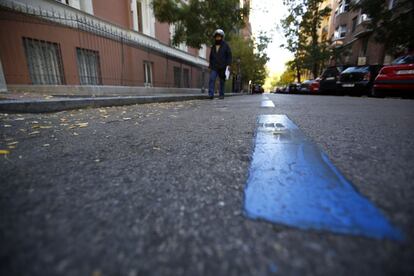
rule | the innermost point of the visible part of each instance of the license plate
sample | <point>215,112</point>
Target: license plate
<point>348,85</point>
<point>405,72</point>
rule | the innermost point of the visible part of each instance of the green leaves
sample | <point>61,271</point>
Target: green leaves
<point>196,21</point>
<point>302,39</point>
<point>252,57</point>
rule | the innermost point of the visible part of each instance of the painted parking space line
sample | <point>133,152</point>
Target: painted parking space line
<point>292,182</point>
<point>267,103</point>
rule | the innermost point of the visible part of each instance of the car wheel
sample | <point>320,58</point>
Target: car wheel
<point>377,93</point>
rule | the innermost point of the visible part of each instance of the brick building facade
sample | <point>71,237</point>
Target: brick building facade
<point>352,37</point>
<point>94,43</point>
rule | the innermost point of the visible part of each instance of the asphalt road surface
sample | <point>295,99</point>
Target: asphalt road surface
<point>158,189</point>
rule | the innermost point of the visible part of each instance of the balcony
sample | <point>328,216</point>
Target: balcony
<point>363,28</point>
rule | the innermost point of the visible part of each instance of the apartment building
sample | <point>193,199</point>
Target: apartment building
<point>353,38</point>
<point>246,32</point>
<point>93,43</point>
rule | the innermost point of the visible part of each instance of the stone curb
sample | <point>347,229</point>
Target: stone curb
<point>55,105</point>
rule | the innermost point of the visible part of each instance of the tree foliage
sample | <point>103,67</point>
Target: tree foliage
<point>252,57</point>
<point>392,27</point>
<point>196,20</point>
<point>300,28</point>
<point>287,77</point>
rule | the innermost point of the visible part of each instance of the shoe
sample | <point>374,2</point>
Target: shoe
<point>221,97</point>
<point>211,97</point>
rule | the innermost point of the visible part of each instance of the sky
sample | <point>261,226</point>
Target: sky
<point>265,16</point>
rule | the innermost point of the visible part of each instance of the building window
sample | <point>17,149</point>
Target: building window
<point>148,74</point>
<point>202,52</point>
<point>45,61</point>
<point>89,67</point>
<point>201,78</point>
<point>343,6</point>
<point>64,1</point>
<point>177,76</point>
<point>84,5</point>
<point>354,23</point>
<point>340,32</point>
<point>143,17</point>
<point>186,78</point>
<point>139,16</point>
<point>73,3</point>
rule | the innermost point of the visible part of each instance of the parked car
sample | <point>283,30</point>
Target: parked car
<point>328,79</point>
<point>397,77</point>
<point>314,86</point>
<point>358,80</point>
<point>257,89</point>
<point>283,89</point>
<point>293,87</point>
<point>304,86</point>
<point>309,86</point>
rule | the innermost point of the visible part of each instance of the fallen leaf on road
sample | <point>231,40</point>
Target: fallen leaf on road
<point>45,127</point>
<point>82,125</point>
<point>126,119</point>
<point>12,143</point>
<point>34,132</point>
<point>11,147</point>
<point>46,145</point>
<point>4,152</point>
<point>75,134</point>
<point>7,125</point>
<point>19,119</point>
<point>156,148</point>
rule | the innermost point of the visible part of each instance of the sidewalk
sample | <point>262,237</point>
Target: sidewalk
<point>43,103</point>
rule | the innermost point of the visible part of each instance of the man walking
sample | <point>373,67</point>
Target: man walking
<point>220,59</point>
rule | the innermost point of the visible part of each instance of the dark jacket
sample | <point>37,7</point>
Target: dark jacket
<point>221,59</point>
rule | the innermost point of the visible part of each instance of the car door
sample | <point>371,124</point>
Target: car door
<point>328,79</point>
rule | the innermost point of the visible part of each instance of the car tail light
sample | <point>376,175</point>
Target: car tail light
<point>367,76</point>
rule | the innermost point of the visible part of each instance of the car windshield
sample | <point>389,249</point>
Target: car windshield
<point>356,70</point>
<point>403,60</point>
<point>330,72</point>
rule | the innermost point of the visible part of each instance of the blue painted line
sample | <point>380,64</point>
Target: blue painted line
<point>292,182</point>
